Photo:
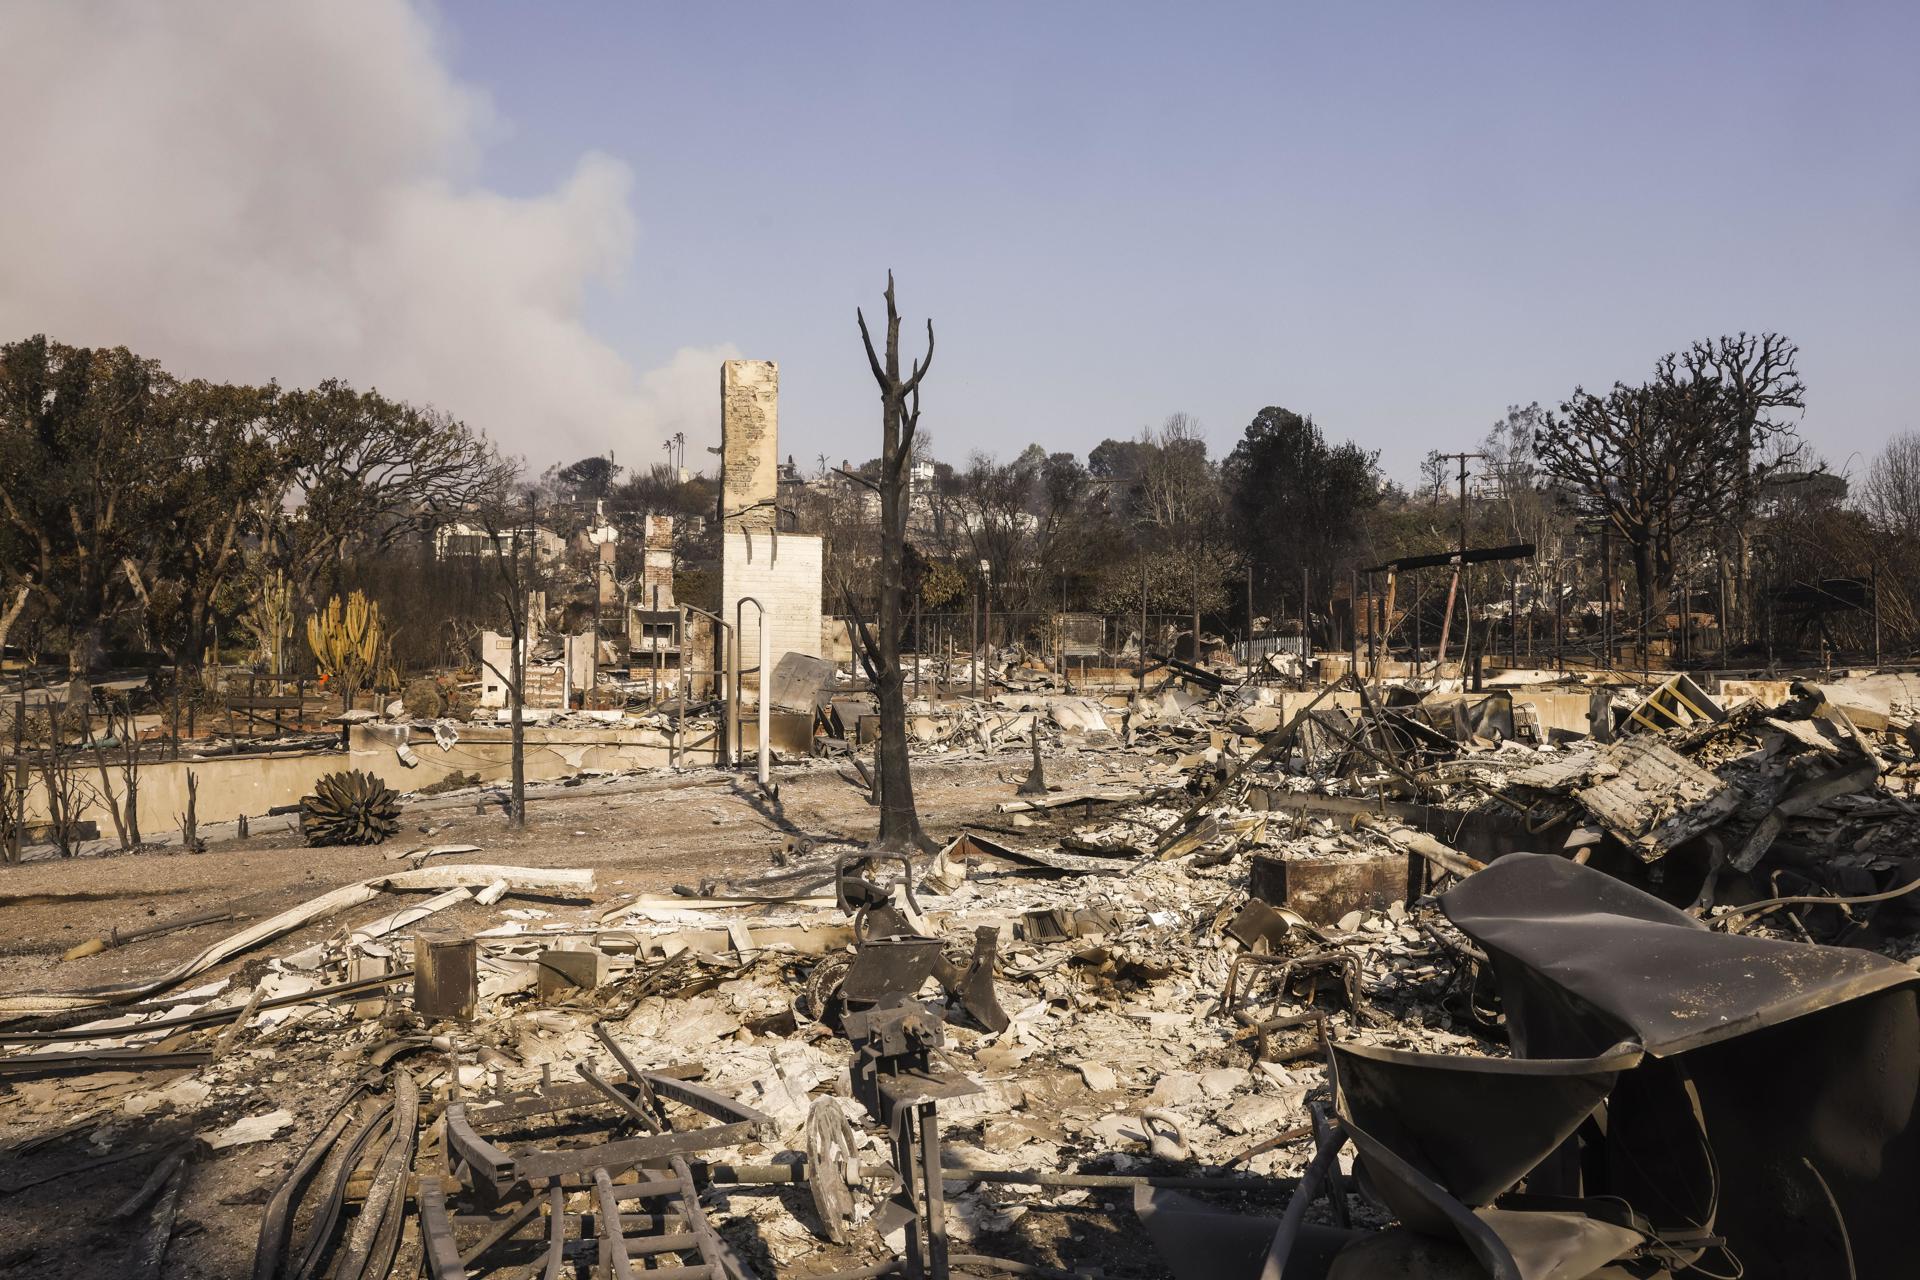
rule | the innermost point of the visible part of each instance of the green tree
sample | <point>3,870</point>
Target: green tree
<point>82,438</point>
<point>366,472</point>
<point>1298,501</point>
<point>222,461</point>
<point>583,481</point>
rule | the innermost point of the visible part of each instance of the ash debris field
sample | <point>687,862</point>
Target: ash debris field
<point>1338,980</point>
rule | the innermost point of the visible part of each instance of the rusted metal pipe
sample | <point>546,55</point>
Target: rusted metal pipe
<point>766,674</point>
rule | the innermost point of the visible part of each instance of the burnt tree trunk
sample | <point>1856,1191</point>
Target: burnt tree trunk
<point>900,416</point>
<point>1651,570</point>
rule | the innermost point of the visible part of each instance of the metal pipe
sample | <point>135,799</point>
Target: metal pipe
<point>766,674</point>
<point>766,701</point>
<point>763,1174</point>
<point>1275,1263</point>
<point>727,684</point>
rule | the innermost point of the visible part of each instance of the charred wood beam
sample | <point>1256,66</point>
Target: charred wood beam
<point>1474,555</point>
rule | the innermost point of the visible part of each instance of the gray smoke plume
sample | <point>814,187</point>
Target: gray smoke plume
<point>255,191</point>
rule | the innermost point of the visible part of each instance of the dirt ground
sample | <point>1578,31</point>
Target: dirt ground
<point>639,836</point>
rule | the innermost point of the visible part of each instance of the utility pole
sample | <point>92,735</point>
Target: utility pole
<point>1873,589</point>
<point>1460,565</point>
<point>1513,620</point>
<point>1249,615</point>
<point>1686,618</point>
<point>1143,621</point>
<point>1060,632</point>
<point>1306,644</point>
<point>1376,623</point>
<point>522,634</point>
<point>1353,618</point>
<point>986,606</point>
<point>1723,616</point>
<point>973,659</point>
<point>1606,596</point>
<point>1196,610</point>
<point>1559,618</point>
<point>1419,642</point>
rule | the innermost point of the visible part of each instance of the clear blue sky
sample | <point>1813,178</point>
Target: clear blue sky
<point>1397,218</point>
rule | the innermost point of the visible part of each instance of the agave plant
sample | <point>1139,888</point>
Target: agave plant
<point>349,807</point>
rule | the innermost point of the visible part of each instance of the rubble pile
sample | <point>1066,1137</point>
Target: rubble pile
<point>1359,982</point>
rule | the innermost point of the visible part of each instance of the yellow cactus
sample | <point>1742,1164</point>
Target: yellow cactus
<point>346,642</point>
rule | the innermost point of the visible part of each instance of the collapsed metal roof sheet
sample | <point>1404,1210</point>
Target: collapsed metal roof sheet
<point>1649,971</point>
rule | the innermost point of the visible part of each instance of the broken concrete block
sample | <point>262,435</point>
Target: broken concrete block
<point>1222,1081</point>
<point>1256,1114</point>
<point>1002,1057</point>
<point>1175,1088</point>
<point>1098,1077</point>
<point>251,1129</point>
<point>1004,1135</point>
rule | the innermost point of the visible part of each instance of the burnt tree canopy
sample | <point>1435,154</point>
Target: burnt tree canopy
<point>1758,379</point>
<point>1653,463</point>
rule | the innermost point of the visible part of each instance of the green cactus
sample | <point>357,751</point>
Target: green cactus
<point>270,618</point>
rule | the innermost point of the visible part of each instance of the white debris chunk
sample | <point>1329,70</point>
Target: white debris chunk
<point>258,1128</point>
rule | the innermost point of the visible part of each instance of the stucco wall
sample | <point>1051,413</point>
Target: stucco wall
<point>253,785</point>
<point>783,573</point>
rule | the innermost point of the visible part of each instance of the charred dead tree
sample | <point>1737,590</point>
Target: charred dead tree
<point>190,838</point>
<point>122,755</point>
<point>509,539</point>
<point>63,780</point>
<point>1759,378</point>
<point>1651,464</point>
<point>14,784</point>
<point>899,417</point>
